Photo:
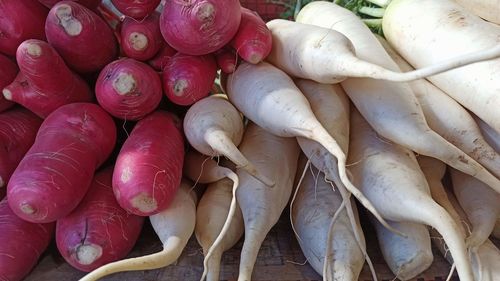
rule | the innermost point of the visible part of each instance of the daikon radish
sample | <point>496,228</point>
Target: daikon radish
<point>491,136</point>
<point>486,9</point>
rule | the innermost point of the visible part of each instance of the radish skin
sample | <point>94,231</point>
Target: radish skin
<point>161,59</point>
<point>391,108</point>
<point>128,89</point>
<point>18,128</point>
<point>227,60</point>
<point>136,9</point>
<point>91,4</point>
<point>20,20</point>
<point>8,72</point>
<point>141,40</point>
<point>174,226</point>
<point>491,136</point>
<point>214,127</point>
<point>486,9</point>
<point>459,32</point>
<point>199,27</point>
<point>214,206</point>
<point>480,203</point>
<point>21,243</point>
<point>262,206</point>
<point>98,231</point>
<point>403,193</point>
<point>78,34</point>
<point>56,172</point>
<point>148,169</point>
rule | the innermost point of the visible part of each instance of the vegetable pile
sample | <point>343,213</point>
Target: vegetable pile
<point>210,121</point>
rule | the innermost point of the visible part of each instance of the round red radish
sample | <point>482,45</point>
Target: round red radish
<point>98,231</point>
<point>82,38</point>
<point>21,243</point>
<point>20,20</point>
<point>200,27</point>
<point>128,89</point>
<point>187,79</point>
<point>141,40</point>
<point>163,56</point>
<point>91,4</point>
<point>148,170</point>
<point>56,172</point>
<point>226,59</point>
<point>253,41</point>
<point>8,72</point>
<point>137,9</point>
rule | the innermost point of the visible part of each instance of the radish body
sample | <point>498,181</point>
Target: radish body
<point>214,127</point>
<point>401,194</point>
<point>44,83</point>
<point>253,41</point>
<point>98,231</point>
<point>161,59</point>
<point>148,169</point>
<point>459,32</point>
<point>20,20</point>
<point>8,72</point>
<point>56,172</point>
<point>79,34</point>
<point>187,79</point>
<point>491,136</point>
<point>486,9</point>
<point>136,9</point>
<point>199,27</point>
<point>227,60</point>
<point>128,89</point>
<point>18,128</point>
<point>262,206</point>
<point>21,243</point>
<point>174,226</point>
<point>91,4</point>
<point>141,40</point>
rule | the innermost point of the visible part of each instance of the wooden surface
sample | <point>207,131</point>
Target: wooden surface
<point>280,259</point>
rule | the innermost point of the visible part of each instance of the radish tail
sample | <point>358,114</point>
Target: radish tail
<point>220,142</point>
<point>172,249</point>
<point>254,237</point>
<point>213,270</point>
<point>327,270</point>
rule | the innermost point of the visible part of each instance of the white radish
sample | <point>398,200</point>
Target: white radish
<point>213,208</point>
<point>492,137</point>
<point>389,175</point>
<point>262,206</point>
<point>174,226</point>
<point>391,108</point>
<point>486,9</point>
<point>214,127</point>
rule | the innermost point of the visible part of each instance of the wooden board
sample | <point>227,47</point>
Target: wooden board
<point>280,259</point>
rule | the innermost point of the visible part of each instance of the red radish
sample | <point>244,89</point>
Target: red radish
<point>128,89</point>
<point>91,4</point>
<point>21,243</point>
<point>136,9</point>
<point>45,82</point>
<point>8,72</point>
<point>148,170</point>
<point>98,231</point>
<point>187,79</point>
<point>253,41</point>
<point>141,40</point>
<point>84,40</point>
<point>161,59</point>
<point>200,27</point>
<point>18,128</point>
<point>56,172</point>
<point>20,20</point>
<point>226,60</point>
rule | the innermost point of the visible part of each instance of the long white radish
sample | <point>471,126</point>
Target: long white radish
<point>491,136</point>
<point>268,97</point>
<point>455,124</point>
<point>389,175</point>
<point>391,108</point>
<point>174,226</point>
<point>408,256</point>
<point>328,57</point>
<point>214,127</point>
<point>213,208</point>
<point>434,171</point>
<point>262,206</point>
<point>314,207</point>
<point>480,203</point>
<point>486,9</point>
<point>445,29</point>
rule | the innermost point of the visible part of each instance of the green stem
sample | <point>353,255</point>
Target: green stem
<point>380,3</point>
<point>373,12</point>
<point>373,23</point>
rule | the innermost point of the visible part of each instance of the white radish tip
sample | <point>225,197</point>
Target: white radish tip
<point>7,94</point>
<point>179,87</point>
<point>138,41</point>
<point>124,83</point>
<point>144,203</point>
<point>205,12</point>
<point>71,25</point>
<point>33,49</point>
<point>87,254</point>
<point>27,209</point>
